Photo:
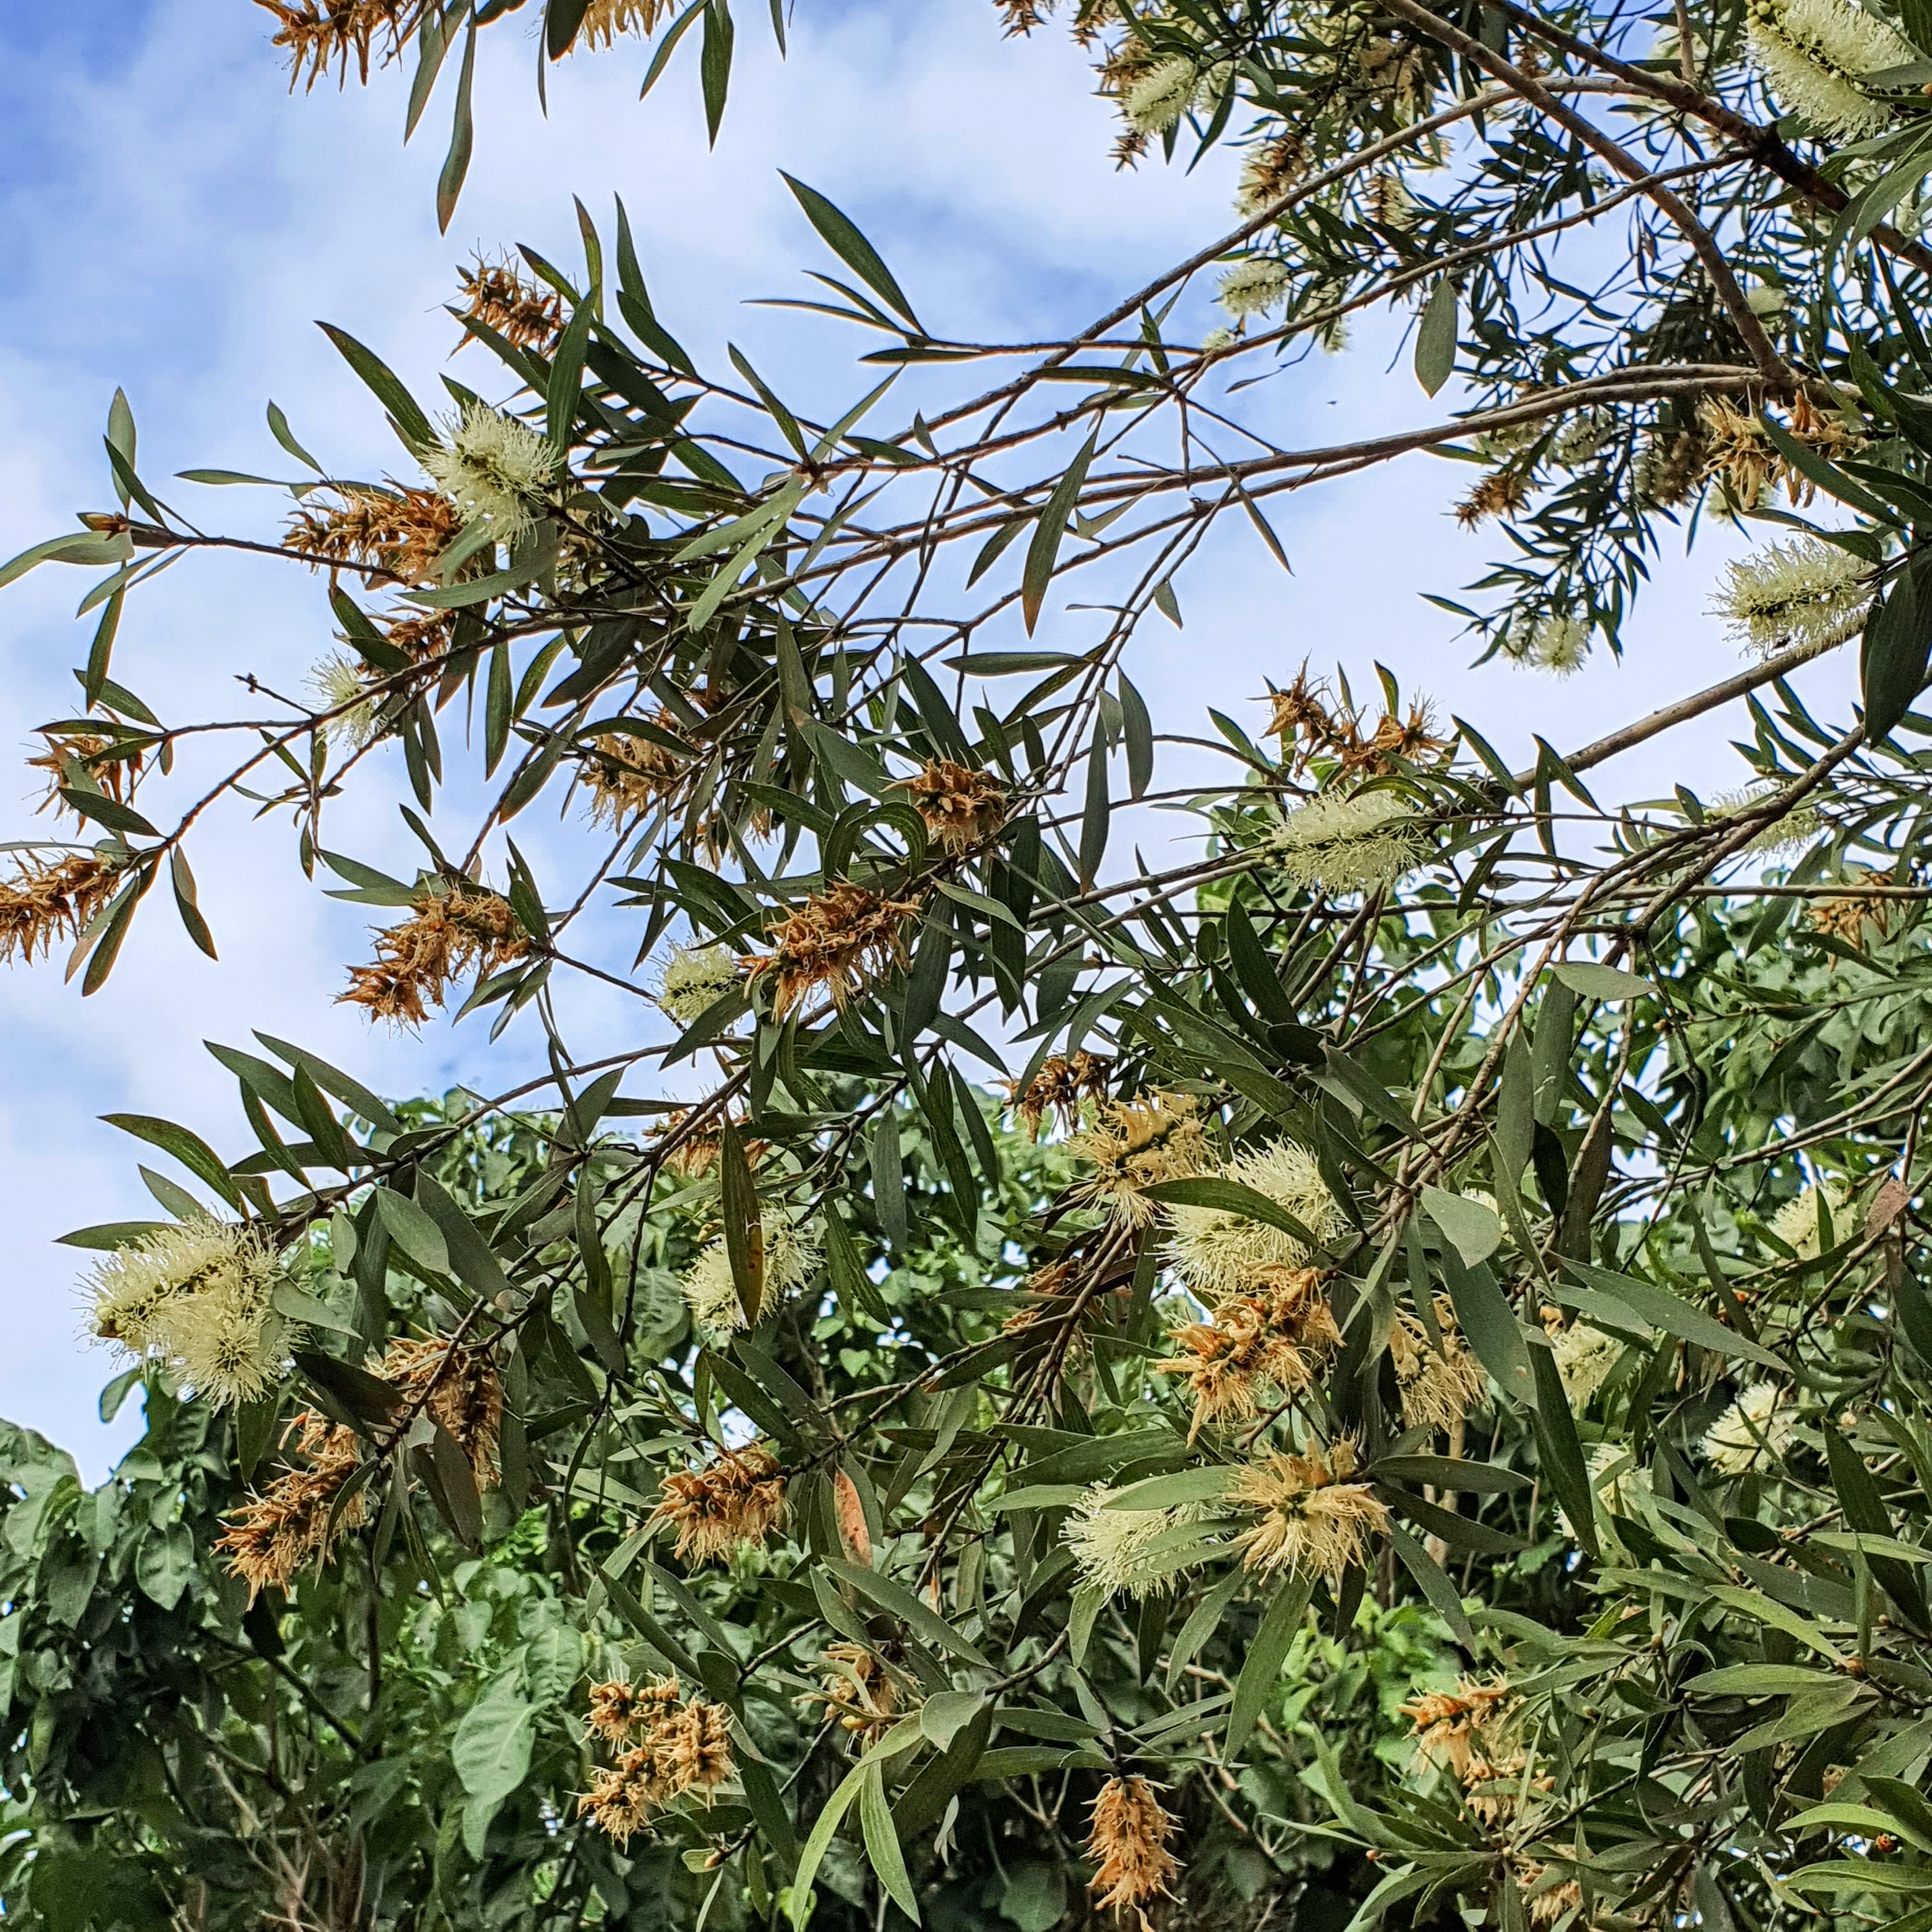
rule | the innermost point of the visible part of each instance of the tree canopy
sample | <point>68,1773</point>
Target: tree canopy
<point>1376,1373</point>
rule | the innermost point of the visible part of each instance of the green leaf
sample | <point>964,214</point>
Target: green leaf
<point>1043,551</point>
<point>744,1225</point>
<point>1433,1582</point>
<point>1261,1669</point>
<point>1231,1197</point>
<point>842,237</point>
<point>1094,817</point>
<point>164,1563</point>
<point>1138,729</point>
<point>411,423</point>
<point>896,1598</point>
<point>1893,658</point>
<point>882,1842</point>
<point>412,1231</point>
<point>185,904</point>
<point>491,1749</point>
<point>943,1717</point>
<point>1601,982</point>
<point>1435,337</point>
<point>190,1149</point>
<point>298,1305</point>
<point>1473,1228</point>
<point>462,137</point>
<point>1486,1317</point>
<point>1656,1308</point>
<point>715,63</point>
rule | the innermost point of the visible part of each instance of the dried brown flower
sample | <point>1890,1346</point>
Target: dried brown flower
<point>1269,171</point>
<point>680,1747</point>
<point>627,774</point>
<point>1127,1841</point>
<point>1438,1388</point>
<point>1273,1339</point>
<point>1314,1521</point>
<point>401,530</point>
<point>1412,739</point>
<point>421,637</point>
<point>859,1695</point>
<point>1739,450</point>
<point>1463,1728</point>
<point>43,900</point>
<point>270,1537</point>
<point>738,1498</point>
<point>961,808</point>
<point>1849,916</point>
<point>524,313</point>
<point>1059,1088</point>
<point>834,943</point>
<point>617,1708</point>
<point>416,960</point>
<point>1502,492</point>
<point>465,1395</point>
<point>603,20</point>
<point>318,34</point>
<point>1132,1143</point>
<point>66,750</point>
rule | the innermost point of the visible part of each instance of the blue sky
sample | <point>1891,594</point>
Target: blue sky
<point>176,222</point>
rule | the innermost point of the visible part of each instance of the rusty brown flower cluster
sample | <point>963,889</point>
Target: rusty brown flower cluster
<point>416,960</point>
<point>464,1394</point>
<point>1270,1343</point>
<point>1473,1733</point>
<point>665,1747</point>
<point>46,900</point>
<point>603,20</point>
<point>1314,1520</point>
<point>318,34</point>
<point>272,1535</point>
<point>1311,723</point>
<point>859,1693</point>
<point>1850,916</point>
<point>1131,1144</point>
<point>738,1498</point>
<point>1127,1841</point>
<point>1737,450</point>
<point>401,530</point>
<point>525,313</point>
<point>626,774</point>
<point>1501,493</point>
<point>960,808</point>
<point>1440,1381</point>
<point>836,944</point>
<point>1058,1088</point>
<point>115,776</point>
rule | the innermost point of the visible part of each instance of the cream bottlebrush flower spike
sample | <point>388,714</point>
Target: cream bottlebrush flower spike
<point>1560,644</point>
<point>1814,54</point>
<point>1585,1356</point>
<point>1254,286</point>
<point>1795,1224</point>
<point>1162,95</point>
<point>1219,1254</point>
<point>490,465</point>
<point>695,979</point>
<point>1754,1432</point>
<point>1783,836</point>
<point>1361,842</point>
<point>197,1298</point>
<point>1115,1549</point>
<point>1807,592</point>
<point>338,682</point>
<point>791,1257</point>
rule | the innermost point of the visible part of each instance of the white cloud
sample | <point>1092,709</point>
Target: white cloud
<point>183,222</point>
